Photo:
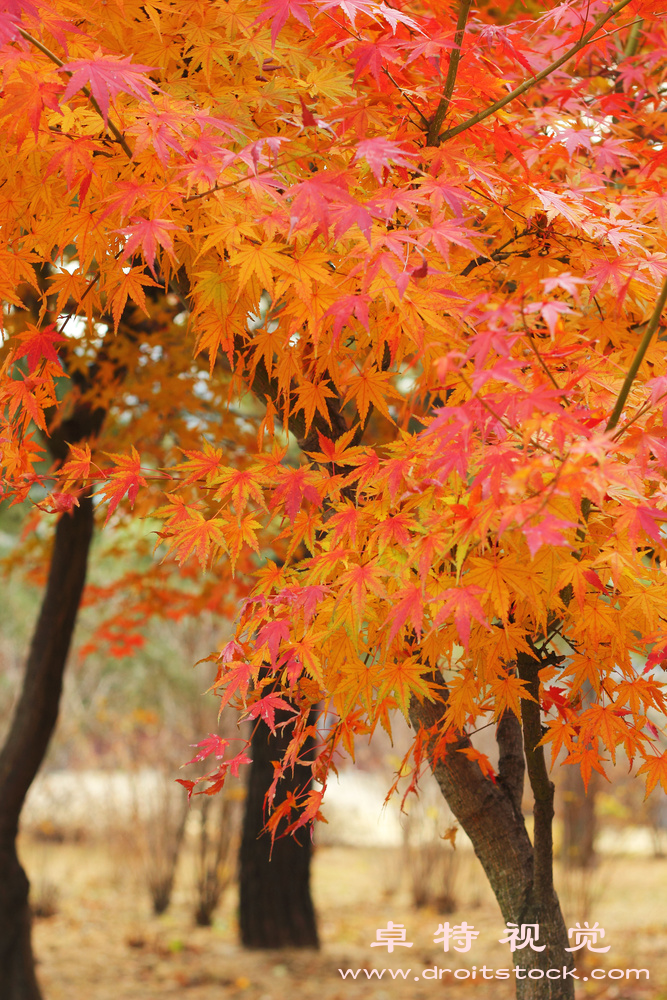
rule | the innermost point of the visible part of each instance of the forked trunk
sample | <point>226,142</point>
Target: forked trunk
<point>32,726</point>
<point>519,873</point>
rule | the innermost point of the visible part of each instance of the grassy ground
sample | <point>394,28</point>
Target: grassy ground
<point>103,944</point>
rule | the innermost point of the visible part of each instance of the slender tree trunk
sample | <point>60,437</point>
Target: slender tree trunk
<point>26,744</point>
<point>520,873</point>
<point>276,908</point>
<point>579,819</point>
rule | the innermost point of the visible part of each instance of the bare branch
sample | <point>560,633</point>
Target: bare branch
<point>653,324</point>
<point>491,110</point>
<point>441,111</point>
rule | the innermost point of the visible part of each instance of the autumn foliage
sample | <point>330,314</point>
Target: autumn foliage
<point>427,241</point>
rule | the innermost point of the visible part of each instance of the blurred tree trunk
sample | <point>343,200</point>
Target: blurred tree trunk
<point>34,720</point>
<point>579,819</point>
<point>276,908</point>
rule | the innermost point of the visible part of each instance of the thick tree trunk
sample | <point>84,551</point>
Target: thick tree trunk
<point>276,908</point>
<point>32,726</point>
<point>518,871</point>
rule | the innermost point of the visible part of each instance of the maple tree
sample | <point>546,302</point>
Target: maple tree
<point>429,243</point>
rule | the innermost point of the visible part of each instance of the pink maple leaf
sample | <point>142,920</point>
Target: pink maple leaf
<point>277,11</point>
<point>107,77</point>
<point>462,603</point>
<point>293,489</point>
<point>148,233</point>
<point>379,153</point>
<point>212,744</point>
<point>351,8</point>
<point>549,531</point>
<point>407,604</point>
<point>272,633</point>
<point>343,309</point>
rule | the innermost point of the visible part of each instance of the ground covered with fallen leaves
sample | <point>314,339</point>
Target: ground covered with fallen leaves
<point>102,942</point>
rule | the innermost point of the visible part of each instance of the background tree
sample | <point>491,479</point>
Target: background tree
<point>466,284</point>
<point>73,422</point>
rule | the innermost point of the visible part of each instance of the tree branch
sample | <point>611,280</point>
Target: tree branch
<point>433,135</point>
<point>511,763</point>
<point>653,324</point>
<point>115,131</point>
<point>487,112</point>
<point>485,810</point>
<point>37,710</point>
<point>542,786</point>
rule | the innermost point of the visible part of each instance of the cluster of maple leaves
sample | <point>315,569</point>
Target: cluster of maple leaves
<point>457,294</point>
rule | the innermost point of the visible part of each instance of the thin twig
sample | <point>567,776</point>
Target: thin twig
<point>358,38</point>
<point>491,110</point>
<point>115,131</point>
<point>641,412</point>
<point>652,326</point>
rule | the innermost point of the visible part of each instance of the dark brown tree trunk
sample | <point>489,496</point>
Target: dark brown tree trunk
<point>276,908</point>
<point>520,873</point>
<point>26,744</point>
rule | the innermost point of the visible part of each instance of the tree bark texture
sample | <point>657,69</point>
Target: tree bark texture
<point>26,744</point>
<point>490,814</point>
<point>276,908</point>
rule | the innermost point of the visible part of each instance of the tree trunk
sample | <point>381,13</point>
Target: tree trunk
<point>579,819</point>
<point>26,744</point>
<point>276,908</point>
<point>518,871</point>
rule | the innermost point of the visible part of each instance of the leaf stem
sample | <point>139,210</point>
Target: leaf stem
<point>653,324</point>
<point>491,110</point>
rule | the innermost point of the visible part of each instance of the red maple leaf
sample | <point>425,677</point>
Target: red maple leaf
<point>127,478</point>
<point>294,489</point>
<point>266,707</point>
<point>107,77</point>
<point>212,744</point>
<point>307,116</point>
<point>38,344</point>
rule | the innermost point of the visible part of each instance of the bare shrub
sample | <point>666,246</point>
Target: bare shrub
<point>163,834</point>
<point>44,898</point>
<point>216,846</point>
<point>431,862</point>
